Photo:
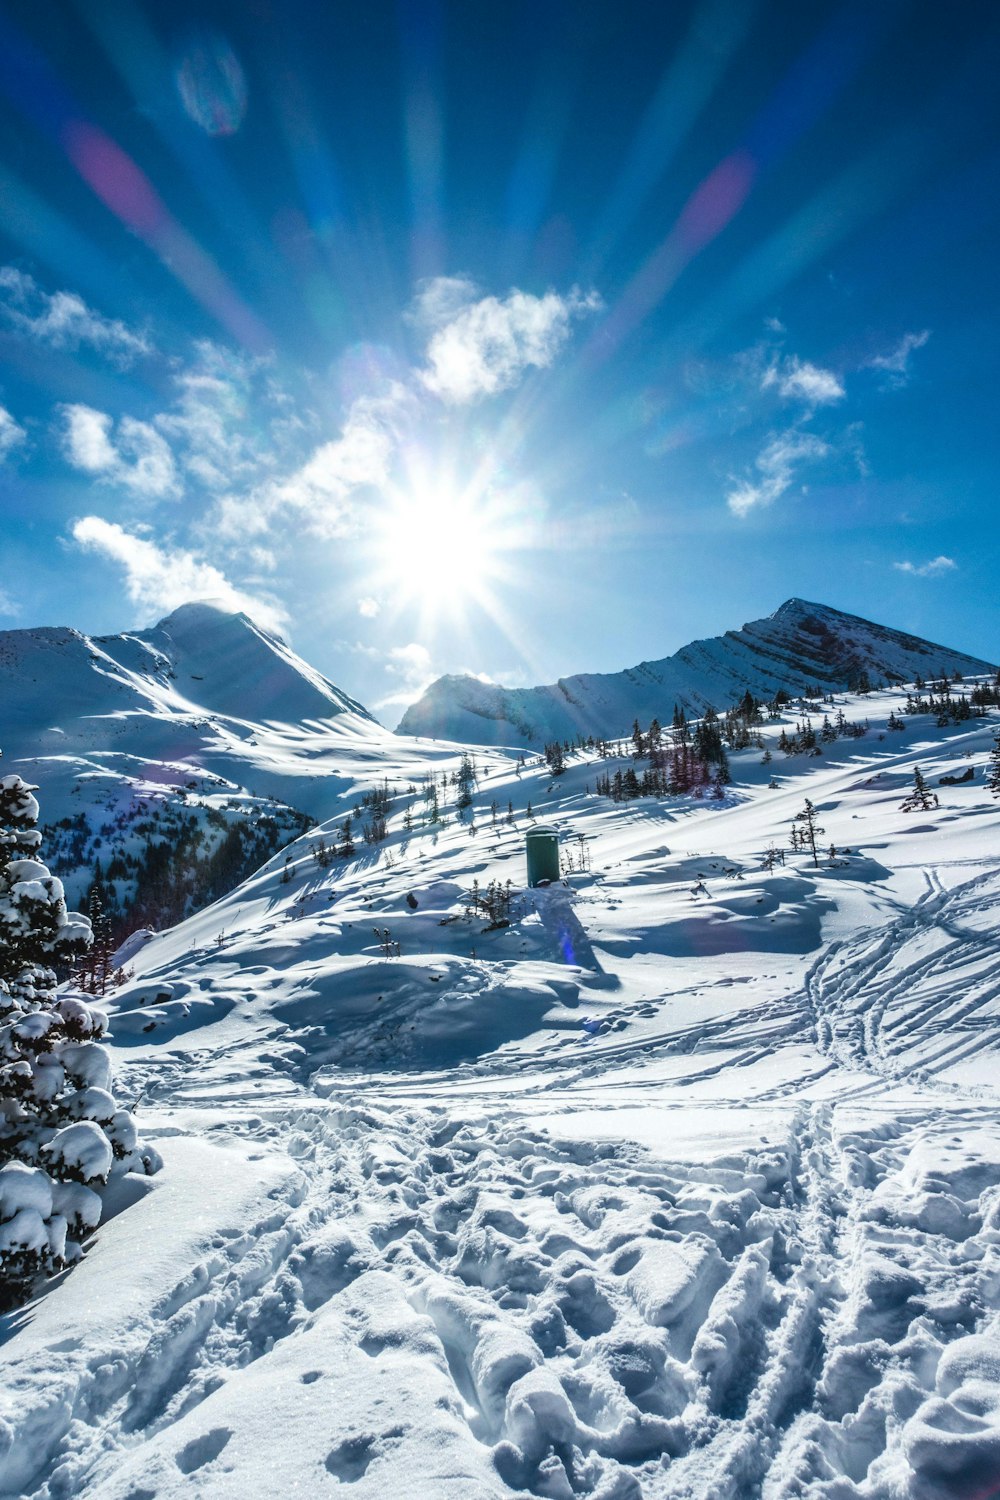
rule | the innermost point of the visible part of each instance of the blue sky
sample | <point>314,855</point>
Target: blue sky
<point>513,339</point>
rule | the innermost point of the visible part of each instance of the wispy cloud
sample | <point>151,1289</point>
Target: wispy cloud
<point>479,346</point>
<point>475,347</point>
<point>159,578</point>
<point>12,434</point>
<point>9,606</point>
<point>63,320</point>
<point>410,666</point>
<point>319,490</point>
<point>896,363</point>
<point>203,426</point>
<point>797,380</point>
<point>230,419</point>
<point>777,465</point>
<point>135,457</point>
<point>932,569</point>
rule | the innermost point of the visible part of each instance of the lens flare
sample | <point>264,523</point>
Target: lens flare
<point>212,86</point>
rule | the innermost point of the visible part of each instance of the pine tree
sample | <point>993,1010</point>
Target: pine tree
<point>807,831</point>
<point>554,758</point>
<point>61,1133</point>
<point>921,798</point>
<point>993,767</point>
<point>465,779</point>
<point>95,969</point>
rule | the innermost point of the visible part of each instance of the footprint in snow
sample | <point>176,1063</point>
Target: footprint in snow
<point>202,1450</point>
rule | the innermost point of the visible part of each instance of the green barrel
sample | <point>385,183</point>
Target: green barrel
<point>542,848</point>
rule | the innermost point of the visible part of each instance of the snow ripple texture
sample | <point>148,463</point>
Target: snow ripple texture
<point>565,1320</point>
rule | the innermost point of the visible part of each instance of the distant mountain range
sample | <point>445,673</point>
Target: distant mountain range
<point>174,760</point>
<point>800,646</point>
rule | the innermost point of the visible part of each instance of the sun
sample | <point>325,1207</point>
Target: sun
<point>440,548</point>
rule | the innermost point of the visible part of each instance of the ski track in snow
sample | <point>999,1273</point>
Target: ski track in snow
<point>934,1005</point>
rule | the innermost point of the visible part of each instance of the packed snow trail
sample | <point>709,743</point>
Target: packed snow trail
<point>559,1318</point>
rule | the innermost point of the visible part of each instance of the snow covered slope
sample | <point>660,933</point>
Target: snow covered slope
<point>204,722</point>
<point>680,1180</point>
<point>60,688</point>
<point>799,647</point>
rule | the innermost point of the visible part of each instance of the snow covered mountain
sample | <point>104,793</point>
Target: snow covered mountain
<point>175,735</point>
<point>800,646</point>
<point>61,688</point>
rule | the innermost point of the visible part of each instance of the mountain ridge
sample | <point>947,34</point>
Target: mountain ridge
<point>801,645</point>
<point>202,728</point>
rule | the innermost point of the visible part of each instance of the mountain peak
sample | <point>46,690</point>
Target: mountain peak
<point>205,614</point>
<point>795,608</point>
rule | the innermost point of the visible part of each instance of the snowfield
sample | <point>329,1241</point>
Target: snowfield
<point>681,1181</point>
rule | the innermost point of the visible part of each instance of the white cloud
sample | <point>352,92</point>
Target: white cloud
<point>411,666</point>
<point>777,464</point>
<point>136,457</point>
<point>368,608</point>
<point>896,363</point>
<point>319,491</point>
<point>798,380</point>
<point>439,299</point>
<point>63,320</point>
<point>229,421</point>
<point>483,345</point>
<point>932,569</point>
<point>86,441</point>
<point>12,434</point>
<point>159,579</point>
<point>8,605</point>
<point>213,452</point>
<point>853,444</point>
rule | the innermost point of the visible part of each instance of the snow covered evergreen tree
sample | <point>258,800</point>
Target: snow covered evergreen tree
<point>921,798</point>
<point>465,780</point>
<point>993,767</point>
<point>61,1133</point>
